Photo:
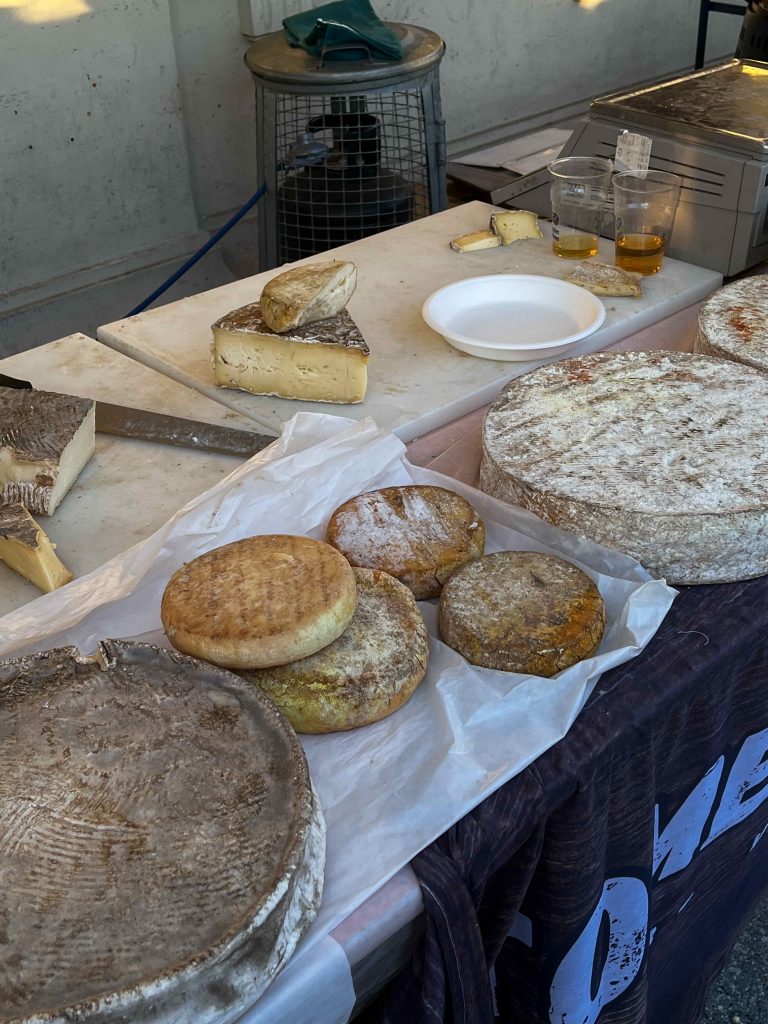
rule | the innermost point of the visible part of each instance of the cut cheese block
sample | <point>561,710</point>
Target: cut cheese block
<point>663,455</point>
<point>603,279</point>
<point>321,362</point>
<point>476,240</point>
<point>514,225</point>
<point>370,671</point>
<point>25,548</point>
<point>45,440</point>
<point>733,323</point>
<point>522,611</point>
<point>260,601</point>
<point>417,533</point>
<point>163,849</point>
<point>306,294</point>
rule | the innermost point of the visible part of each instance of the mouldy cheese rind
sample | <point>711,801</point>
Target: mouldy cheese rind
<point>197,860</point>
<point>45,441</point>
<point>663,455</point>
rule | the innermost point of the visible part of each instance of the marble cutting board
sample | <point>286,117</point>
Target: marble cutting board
<point>129,488</point>
<point>417,382</point>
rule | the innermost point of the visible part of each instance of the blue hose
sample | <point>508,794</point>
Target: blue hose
<point>200,252</point>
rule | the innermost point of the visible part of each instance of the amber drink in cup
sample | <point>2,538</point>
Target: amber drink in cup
<point>645,203</point>
<point>579,192</point>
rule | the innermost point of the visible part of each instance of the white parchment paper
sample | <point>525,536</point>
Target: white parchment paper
<point>389,789</point>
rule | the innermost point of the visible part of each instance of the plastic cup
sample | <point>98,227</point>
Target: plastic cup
<point>645,203</point>
<point>579,193</point>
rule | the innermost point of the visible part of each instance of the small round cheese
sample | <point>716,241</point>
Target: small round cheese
<point>367,673</point>
<point>260,601</point>
<point>522,611</point>
<point>417,533</point>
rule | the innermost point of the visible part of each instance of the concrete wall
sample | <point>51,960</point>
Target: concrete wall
<point>126,126</point>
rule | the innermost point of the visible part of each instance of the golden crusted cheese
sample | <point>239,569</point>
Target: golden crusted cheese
<point>260,601</point>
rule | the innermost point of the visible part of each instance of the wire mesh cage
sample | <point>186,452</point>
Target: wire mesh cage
<point>346,150</point>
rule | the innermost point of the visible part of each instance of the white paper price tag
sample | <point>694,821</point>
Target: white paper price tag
<point>633,152</point>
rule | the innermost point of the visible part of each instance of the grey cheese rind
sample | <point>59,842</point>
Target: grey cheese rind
<point>215,836</point>
<point>733,323</point>
<point>45,441</point>
<point>306,294</point>
<point>662,455</point>
<point>320,362</point>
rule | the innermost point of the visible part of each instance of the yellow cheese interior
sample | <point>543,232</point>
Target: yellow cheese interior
<point>39,564</point>
<point>513,225</point>
<point>266,364</point>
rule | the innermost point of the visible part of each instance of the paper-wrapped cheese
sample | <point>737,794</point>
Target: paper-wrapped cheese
<point>260,601</point>
<point>733,323</point>
<point>371,670</point>
<point>305,294</point>
<point>522,611</point>
<point>45,440</point>
<point>663,455</point>
<point>325,361</point>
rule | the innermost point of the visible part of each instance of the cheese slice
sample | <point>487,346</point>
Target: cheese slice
<point>306,294</point>
<point>45,440</point>
<point>320,362</point>
<point>603,279</point>
<point>475,240</point>
<point>26,549</point>
<point>514,225</point>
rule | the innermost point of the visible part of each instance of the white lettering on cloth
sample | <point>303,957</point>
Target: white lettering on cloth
<point>622,908</point>
<point>624,903</point>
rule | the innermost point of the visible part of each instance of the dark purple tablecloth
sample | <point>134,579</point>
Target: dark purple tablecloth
<point>607,883</point>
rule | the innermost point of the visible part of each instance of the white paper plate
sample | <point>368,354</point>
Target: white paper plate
<point>513,316</point>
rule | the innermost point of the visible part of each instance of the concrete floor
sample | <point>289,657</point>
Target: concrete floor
<point>740,994</point>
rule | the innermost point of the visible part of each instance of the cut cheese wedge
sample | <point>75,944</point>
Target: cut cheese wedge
<point>475,240</point>
<point>515,225</point>
<point>45,440</point>
<point>306,294</point>
<point>320,362</point>
<point>26,549</point>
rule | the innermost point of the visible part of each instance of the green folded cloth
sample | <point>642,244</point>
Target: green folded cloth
<point>344,22</point>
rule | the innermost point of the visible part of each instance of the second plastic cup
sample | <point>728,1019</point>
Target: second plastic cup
<point>645,203</point>
<point>579,193</point>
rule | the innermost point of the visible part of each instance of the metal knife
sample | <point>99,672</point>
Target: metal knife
<point>124,421</point>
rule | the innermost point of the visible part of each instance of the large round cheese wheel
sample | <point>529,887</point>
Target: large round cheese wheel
<point>417,533</point>
<point>162,850</point>
<point>370,671</point>
<point>522,611</point>
<point>733,323</point>
<point>663,455</point>
<point>260,601</point>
